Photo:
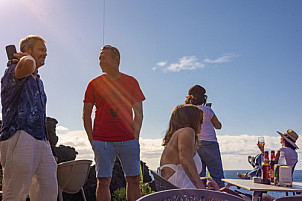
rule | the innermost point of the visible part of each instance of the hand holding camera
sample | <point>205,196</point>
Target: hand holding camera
<point>14,57</point>
<point>208,104</point>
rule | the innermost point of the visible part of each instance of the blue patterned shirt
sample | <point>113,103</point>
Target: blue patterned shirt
<point>23,105</point>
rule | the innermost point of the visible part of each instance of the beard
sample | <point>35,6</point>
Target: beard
<point>40,61</point>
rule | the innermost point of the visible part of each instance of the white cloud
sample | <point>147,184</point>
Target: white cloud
<point>191,63</point>
<point>162,63</point>
<point>62,128</point>
<point>223,59</point>
<point>234,149</point>
<point>159,65</point>
<point>151,150</point>
<point>185,63</point>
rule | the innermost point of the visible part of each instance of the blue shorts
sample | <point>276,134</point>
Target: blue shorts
<point>105,153</point>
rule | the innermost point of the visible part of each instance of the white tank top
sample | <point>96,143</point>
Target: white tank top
<point>180,178</point>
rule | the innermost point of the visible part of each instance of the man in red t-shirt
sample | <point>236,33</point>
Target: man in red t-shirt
<point>115,131</point>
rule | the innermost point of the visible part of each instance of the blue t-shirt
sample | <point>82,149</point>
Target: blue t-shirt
<point>23,105</point>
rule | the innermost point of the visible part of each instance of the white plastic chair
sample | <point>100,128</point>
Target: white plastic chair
<point>72,176</point>
<point>289,198</point>
<point>189,195</point>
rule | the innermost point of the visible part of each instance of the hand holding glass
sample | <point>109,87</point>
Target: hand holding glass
<point>261,141</point>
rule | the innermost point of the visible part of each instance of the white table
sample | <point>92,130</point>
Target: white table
<point>260,188</point>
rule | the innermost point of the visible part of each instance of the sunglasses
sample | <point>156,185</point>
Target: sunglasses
<point>113,49</point>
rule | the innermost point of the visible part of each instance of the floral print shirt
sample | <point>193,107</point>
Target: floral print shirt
<point>23,105</point>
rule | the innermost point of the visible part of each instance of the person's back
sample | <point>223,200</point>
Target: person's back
<point>208,149</point>
<point>291,156</point>
<point>170,153</point>
<point>288,141</point>
<point>170,164</point>
<point>178,164</point>
<point>207,132</point>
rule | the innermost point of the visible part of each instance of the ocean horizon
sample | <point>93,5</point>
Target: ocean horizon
<point>232,174</point>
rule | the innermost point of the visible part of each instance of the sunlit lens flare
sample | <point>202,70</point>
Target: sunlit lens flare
<point>48,17</point>
<point>43,11</point>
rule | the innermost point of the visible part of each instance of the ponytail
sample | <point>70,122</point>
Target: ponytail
<point>196,99</point>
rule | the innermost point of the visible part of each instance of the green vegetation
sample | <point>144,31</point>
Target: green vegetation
<point>120,194</point>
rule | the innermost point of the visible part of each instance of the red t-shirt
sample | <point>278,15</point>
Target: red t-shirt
<point>113,100</point>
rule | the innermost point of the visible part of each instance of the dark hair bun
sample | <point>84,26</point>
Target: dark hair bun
<point>197,99</point>
<point>190,99</point>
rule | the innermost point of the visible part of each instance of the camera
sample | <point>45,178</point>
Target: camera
<point>10,50</point>
<point>209,104</point>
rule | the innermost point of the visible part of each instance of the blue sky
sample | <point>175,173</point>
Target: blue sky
<point>247,54</point>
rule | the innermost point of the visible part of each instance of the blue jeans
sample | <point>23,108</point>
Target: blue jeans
<point>258,160</point>
<point>210,156</point>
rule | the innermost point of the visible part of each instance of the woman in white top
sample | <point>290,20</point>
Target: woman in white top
<point>180,164</point>
<point>208,150</point>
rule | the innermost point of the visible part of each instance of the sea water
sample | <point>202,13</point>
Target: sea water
<point>232,174</point>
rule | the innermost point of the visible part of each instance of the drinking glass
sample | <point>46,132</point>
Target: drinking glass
<point>261,140</point>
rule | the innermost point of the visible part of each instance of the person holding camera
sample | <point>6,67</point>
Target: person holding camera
<point>26,157</point>
<point>116,130</point>
<point>208,146</point>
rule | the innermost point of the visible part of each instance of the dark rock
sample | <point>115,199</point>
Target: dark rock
<point>118,180</point>
<point>90,186</point>
<point>51,124</point>
<point>65,153</point>
<point>146,176</point>
<point>145,171</point>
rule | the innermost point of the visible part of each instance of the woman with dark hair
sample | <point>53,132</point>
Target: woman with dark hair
<point>208,150</point>
<point>179,163</point>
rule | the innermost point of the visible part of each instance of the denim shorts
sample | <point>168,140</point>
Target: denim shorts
<point>105,153</point>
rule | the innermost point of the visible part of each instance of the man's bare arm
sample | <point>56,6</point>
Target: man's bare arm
<point>138,119</point>
<point>26,65</point>
<point>87,120</point>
